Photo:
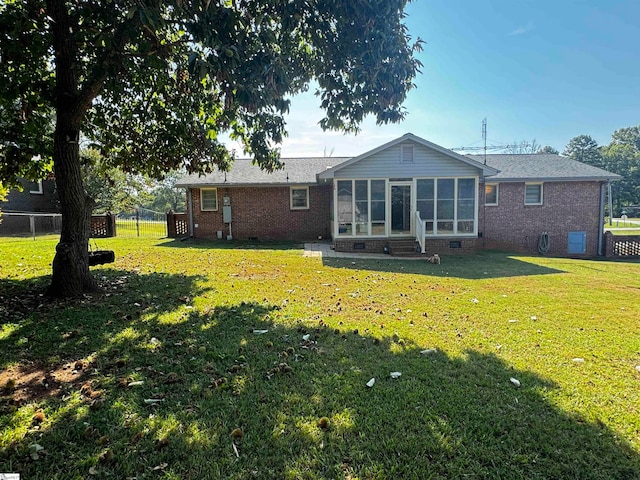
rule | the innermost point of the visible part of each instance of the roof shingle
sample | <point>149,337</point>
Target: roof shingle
<point>296,171</point>
<point>542,167</point>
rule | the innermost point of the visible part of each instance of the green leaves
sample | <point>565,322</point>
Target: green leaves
<point>157,83</point>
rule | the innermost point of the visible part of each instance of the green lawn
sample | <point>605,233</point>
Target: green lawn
<point>217,400</point>
<point>144,228</point>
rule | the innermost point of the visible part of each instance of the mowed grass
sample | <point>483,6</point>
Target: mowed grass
<point>195,364</point>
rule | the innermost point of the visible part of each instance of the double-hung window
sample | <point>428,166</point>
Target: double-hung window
<point>491,194</point>
<point>208,199</point>
<point>533,194</point>
<point>299,198</point>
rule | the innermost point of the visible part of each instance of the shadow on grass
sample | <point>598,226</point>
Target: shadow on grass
<point>220,398</point>
<point>36,328</point>
<point>206,244</point>
<point>486,264</point>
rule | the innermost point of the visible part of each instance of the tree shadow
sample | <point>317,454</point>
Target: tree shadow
<point>486,264</point>
<point>207,244</point>
<point>41,329</point>
<point>236,392</point>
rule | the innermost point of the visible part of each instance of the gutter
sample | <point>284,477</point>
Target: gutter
<point>553,179</point>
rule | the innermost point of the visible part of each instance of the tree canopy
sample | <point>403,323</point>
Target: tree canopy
<point>621,156</point>
<point>154,84</point>
<point>548,149</point>
<point>584,149</point>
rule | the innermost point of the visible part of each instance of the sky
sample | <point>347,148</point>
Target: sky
<point>536,70</point>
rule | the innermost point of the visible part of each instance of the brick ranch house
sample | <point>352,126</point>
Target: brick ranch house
<point>409,191</point>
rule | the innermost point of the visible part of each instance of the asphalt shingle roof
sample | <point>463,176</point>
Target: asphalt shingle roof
<point>296,171</point>
<point>542,167</point>
<point>303,171</point>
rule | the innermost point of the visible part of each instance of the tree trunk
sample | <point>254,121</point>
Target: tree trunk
<point>71,276</point>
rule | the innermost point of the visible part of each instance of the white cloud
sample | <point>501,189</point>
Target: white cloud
<point>522,29</point>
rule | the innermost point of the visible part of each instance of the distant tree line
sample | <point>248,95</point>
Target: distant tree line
<point>621,156</point>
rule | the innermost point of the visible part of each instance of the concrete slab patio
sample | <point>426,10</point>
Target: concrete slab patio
<point>324,250</point>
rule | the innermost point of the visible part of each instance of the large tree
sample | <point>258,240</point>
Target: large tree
<point>585,149</point>
<point>622,156</point>
<point>154,83</point>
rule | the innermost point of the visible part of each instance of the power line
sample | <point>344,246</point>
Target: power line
<point>486,147</point>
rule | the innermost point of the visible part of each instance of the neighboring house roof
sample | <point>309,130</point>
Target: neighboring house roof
<point>296,171</point>
<point>542,168</point>
<point>486,169</point>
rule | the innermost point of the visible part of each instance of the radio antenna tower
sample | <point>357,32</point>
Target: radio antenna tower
<point>484,138</point>
<point>486,147</point>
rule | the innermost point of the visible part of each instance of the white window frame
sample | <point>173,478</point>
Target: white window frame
<point>541,185</point>
<point>435,233</point>
<point>352,222</point>
<point>39,191</point>
<point>486,202</point>
<point>202,190</point>
<point>291,189</point>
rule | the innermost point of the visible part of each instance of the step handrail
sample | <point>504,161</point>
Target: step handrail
<point>421,232</point>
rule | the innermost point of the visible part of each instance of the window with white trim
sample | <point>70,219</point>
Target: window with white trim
<point>208,199</point>
<point>491,194</point>
<point>361,207</point>
<point>38,188</point>
<point>533,194</point>
<point>447,204</point>
<point>299,198</point>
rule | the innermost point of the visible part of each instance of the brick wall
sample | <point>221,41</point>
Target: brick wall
<point>264,213</point>
<point>441,246</point>
<point>568,206</point>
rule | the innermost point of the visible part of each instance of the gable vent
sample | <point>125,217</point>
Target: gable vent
<point>406,154</point>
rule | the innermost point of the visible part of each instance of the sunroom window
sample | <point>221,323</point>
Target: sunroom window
<point>448,205</point>
<point>361,207</point>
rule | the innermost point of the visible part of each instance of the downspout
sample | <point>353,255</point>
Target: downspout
<point>190,203</point>
<point>601,219</point>
<point>610,202</point>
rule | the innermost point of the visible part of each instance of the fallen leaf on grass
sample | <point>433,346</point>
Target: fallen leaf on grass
<point>162,466</point>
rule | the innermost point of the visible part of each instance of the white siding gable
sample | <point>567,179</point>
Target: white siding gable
<point>426,163</point>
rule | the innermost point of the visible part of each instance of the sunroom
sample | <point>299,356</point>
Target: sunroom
<point>406,189</point>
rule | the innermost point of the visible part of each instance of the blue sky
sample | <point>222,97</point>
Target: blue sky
<point>543,70</point>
